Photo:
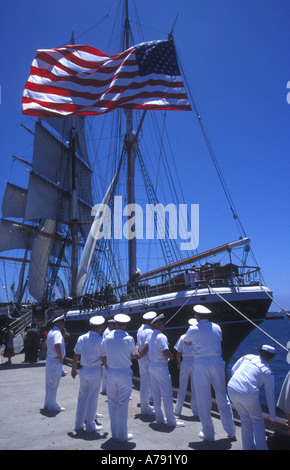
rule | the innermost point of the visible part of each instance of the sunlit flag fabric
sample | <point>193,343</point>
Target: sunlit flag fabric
<point>82,80</point>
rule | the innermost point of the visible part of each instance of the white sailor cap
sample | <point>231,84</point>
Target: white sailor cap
<point>122,318</point>
<point>201,310</point>
<point>97,320</point>
<point>56,320</point>
<point>269,349</point>
<point>192,321</point>
<point>149,316</point>
<point>160,317</point>
<point>111,320</point>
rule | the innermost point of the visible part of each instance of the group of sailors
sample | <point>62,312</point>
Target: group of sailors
<point>198,358</point>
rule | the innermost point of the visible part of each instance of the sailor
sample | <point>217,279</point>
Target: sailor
<point>186,278</point>
<point>118,350</point>
<point>249,373</point>
<point>193,277</point>
<point>209,369</point>
<point>110,327</point>
<point>159,356</point>
<point>143,334</point>
<point>88,349</point>
<point>54,359</point>
<point>185,363</point>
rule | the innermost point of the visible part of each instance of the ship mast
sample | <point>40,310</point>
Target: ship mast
<point>74,226</point>
<point>131,147</point>
<point>74,219</point>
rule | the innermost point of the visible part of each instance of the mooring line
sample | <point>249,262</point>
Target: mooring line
<point>273,300</point>
<point>248,319</point>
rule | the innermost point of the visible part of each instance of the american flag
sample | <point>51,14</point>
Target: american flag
<point>82,80</point>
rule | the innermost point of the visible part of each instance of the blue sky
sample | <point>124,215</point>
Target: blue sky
<point>236,57</point>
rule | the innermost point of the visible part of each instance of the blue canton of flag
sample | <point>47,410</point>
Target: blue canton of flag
<point>157,57</point>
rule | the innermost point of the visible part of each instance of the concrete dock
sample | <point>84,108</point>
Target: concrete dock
<point>25,425</point>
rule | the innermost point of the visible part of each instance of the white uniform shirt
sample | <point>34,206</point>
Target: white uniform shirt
<point>106,332</point>
<point>54,337</point>
<point>118,347</point>
<point>205,338</point>
<point>89,347</point>
<point>157,343</point>
<point>185,350</point>
<point>143,335</point>
<point>249,373</point>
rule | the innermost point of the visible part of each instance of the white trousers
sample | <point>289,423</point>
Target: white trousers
<point>53,370</point>
<point>119,389</point>
<point>252,421</point>
<point>186,374</point>
<point>104,379</point>
<point>162,389</point>
<point>145,385</point>
<point>211,371</point>
<point>90,383</point>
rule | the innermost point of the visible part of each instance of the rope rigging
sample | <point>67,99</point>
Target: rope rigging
<point>214,159</point>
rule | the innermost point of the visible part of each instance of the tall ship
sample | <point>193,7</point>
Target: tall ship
<point>103,226</point>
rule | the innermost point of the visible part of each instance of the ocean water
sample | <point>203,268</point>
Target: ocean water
<point>279,329</point>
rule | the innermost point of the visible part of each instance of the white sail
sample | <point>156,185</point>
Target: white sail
<point>21,285</point>
<point>49,189</point>
<point>48,198</point>
<point>14,201</point>
<point>12,237</point>
<point>93,237</point>
<point>65,125</point>
<point>39,260</point>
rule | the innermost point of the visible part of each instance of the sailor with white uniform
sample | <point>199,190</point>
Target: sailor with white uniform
<point>118,350</point>
<point>88,349</point>
<point>249,373</point>
<point>209,369</point>
<point>143,334</point>
<point>185,363</point>
<point>159,355</point>
<point>54,359</point>
<point>110,327</point>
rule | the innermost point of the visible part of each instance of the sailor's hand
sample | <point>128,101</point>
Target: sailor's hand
<point>171,356</point>
<point>74,373</point>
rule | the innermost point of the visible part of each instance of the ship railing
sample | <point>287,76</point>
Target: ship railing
<point>208,275</point>
<point>167,282</point>
<point>19,324</point>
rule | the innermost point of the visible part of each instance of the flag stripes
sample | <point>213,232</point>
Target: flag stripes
<point>82,80</point>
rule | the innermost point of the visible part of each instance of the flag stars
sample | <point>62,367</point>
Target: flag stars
<point>158,57</point>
